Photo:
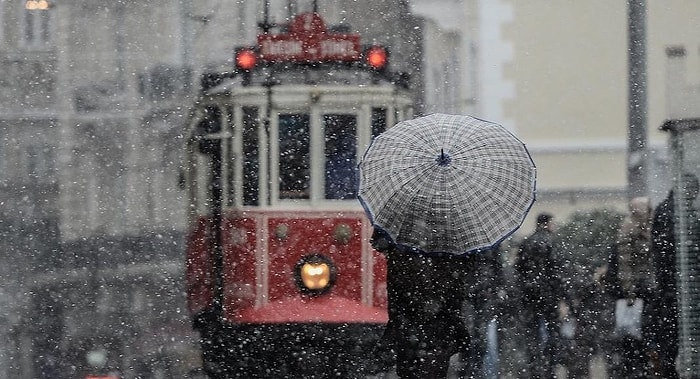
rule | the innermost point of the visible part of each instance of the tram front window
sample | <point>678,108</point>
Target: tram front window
<point>294,141</point>
<point>341,155</point>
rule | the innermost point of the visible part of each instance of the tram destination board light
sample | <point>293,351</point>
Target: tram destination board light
<point>308,40</point>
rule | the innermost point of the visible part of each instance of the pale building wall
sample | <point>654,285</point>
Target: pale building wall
<point>441,65</point>
<point>556,73</point>
<point>570,73</point>
<point>570,108</point>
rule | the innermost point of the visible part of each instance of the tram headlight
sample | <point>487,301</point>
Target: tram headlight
<point>315,274</point>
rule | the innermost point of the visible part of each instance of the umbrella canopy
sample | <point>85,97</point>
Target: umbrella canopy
<point>447,184</point>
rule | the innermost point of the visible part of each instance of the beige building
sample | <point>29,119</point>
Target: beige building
<point>556,74</point>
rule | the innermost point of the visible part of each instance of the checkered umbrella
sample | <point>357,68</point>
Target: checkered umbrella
<point>447,184</point>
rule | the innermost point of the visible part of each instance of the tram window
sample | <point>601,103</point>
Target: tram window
<point>378,121</point>
<point>294,141</point>
<point>341,155</point>
<point>251,164</point>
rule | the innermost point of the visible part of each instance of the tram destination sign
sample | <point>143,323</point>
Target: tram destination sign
<point>308,40</point>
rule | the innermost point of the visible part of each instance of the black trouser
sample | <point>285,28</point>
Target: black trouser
<point>665,336</point>
<point>630,359</point>
<point>541,334</point>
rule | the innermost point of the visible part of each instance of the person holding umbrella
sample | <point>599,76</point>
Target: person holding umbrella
<point>438,190</point>
<point>426,326</point>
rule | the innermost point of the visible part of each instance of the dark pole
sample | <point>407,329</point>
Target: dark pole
<point>268,83</point>
<point>637,101</point>
<point>217,195</point>
<point>265,24</point>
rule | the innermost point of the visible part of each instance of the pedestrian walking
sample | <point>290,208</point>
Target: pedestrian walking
<point>543,293</point>
<point>426,295</point>
<point>485,292</point>
<point>440,190</point>
<point>634,288</point>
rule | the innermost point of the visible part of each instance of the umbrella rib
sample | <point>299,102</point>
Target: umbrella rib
<point>447,183</point>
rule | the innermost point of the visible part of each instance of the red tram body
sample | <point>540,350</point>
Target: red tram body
<point>281,278</point>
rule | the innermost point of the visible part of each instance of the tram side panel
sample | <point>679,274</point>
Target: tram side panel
<point>199,269</point>
<point>240,266</point>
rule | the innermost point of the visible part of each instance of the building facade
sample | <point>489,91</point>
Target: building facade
<point>557,75</point>
<point>93,100</point>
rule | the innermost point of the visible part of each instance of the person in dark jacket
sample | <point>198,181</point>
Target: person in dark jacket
<point>539,275</point>
<point>426,296</point>
<point>664,252</point>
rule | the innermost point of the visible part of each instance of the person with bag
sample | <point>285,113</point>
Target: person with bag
<point>633,277</point>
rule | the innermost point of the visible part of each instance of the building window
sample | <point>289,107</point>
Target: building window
<point>36,28</point>
<point>41,163</point>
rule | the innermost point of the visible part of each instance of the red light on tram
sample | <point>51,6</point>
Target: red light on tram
<point>377,57</point>
<point>246,59</point>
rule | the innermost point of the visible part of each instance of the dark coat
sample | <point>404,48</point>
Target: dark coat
<point>665,307</point>
<point>663,246</point>
<point>538,272</point>
<point>426,296</point>
<point>594,311</point>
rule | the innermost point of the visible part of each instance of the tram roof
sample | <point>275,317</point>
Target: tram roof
<point>337,77</point>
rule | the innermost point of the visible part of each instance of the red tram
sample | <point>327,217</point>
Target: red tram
<point>281,279</point>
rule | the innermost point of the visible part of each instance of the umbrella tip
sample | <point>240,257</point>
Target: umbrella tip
<point>443,159</point>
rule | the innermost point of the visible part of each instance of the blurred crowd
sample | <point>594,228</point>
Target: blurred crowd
<point>523,315</point>
<point>624,313</point>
